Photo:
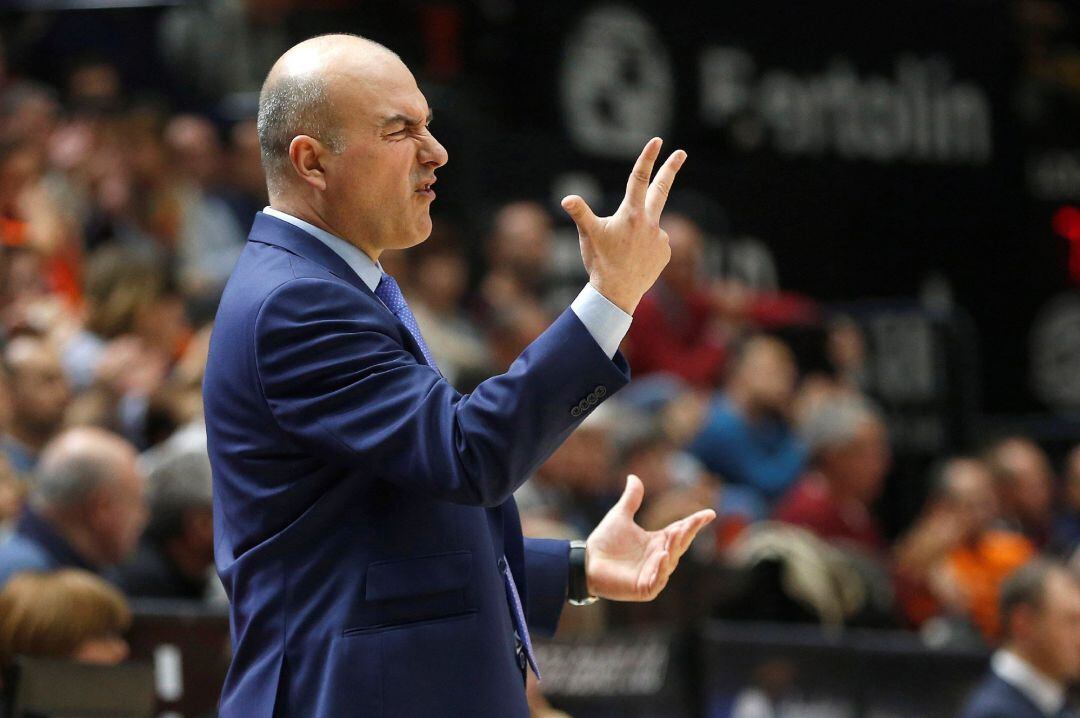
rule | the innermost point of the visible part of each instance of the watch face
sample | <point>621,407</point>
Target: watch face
<point>586,602</point>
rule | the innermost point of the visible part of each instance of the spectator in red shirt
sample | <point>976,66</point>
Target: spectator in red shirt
<point>676,327</point>
<point>849,457</point>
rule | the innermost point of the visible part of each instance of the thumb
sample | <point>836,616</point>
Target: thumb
<point>580,212</point>
<point>630,501</point>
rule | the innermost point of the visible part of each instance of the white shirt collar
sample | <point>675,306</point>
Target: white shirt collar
<point>1047,694</point>
<point>370,272</point>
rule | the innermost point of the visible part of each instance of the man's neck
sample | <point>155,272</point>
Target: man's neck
<point>312,216</point>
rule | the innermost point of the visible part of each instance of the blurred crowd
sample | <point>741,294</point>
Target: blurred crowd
<point>119,223</point>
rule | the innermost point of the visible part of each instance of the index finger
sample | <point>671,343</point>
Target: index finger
<point>638,184</point>
<point>661,186</point>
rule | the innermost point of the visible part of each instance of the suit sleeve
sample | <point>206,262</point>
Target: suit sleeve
<point>547,578</point>
<point>339,382</point>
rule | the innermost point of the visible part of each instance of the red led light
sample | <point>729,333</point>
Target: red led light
<point>1066,222</point>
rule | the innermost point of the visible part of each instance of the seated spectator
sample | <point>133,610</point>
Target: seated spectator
<point>849,457</point>
<point>577,484</point>
<point>1040,659</point>
<point>953,560</point>
<point>86,507</point>
<point>39,396</point>
<point>1066,537</point>
<point>128,297</point>
<point>677,328</point>
<point>439,275</point>
<point>176,554</point>
<point>519,252</point>
<point>511,328</point>
<point>68,614</point>
<point>745,437</point>
<point>211,238</point>
<point>1026,486</point>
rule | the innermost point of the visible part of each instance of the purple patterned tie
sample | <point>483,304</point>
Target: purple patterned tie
<point>390,294</point>
<point>522,644</point>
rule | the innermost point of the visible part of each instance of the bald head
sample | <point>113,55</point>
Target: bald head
<point>300,96</point>
<point>78,462</point>
<point>344,137</point>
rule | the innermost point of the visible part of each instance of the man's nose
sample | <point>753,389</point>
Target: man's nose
<point>432,153</point>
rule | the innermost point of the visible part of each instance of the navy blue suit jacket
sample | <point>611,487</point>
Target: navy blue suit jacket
<point>994,698</point>
<point>361,504</point>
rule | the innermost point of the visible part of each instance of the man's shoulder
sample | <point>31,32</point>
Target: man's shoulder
<point>19,553</point>
<point>994,698</point>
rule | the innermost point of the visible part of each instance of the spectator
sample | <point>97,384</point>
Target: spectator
<point>439,275</point>
<point>246,186</point>
<point>1067,526</point>
<point>575,485</point>
<point>211,238</point>
<point>128,297</point>
<point>1026,486</point>
<point>86,508</point>
<point>954,559</point>
<point>677,326</point>
<point>1040,609</point>
<point>70,614</point>
<point>849,457</point>
<point>519,253</point>
<point>511,328</point>
<point>39,395</point>
<point>745,437</point>
<point>176,554</point>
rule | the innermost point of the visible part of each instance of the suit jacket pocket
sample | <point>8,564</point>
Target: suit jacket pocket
<point>417,589</point>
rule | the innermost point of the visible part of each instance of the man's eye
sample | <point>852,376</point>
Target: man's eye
<point>399,133</point>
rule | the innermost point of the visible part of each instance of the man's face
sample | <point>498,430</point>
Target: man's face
<point>1056,629</point>
<point>123,512</point>
<point>861,464</point>
<point>40,391</point>
<point>1031,483</point>
<point>380,182</point>
<point>971,489</point>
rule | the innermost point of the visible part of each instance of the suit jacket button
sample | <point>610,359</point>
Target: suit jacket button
<point>600,391</point>
<point>583,404</point>
<point>575,412</point>
<point>591,398</point>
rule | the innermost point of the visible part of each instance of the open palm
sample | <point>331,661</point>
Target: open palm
<point>627,563</point>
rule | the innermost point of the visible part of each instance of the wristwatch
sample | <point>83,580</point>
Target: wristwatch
<point>578,594</point>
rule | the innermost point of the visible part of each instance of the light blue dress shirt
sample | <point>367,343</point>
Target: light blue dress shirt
<point>604,321</point>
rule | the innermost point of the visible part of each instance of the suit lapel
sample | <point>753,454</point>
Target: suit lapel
<point>273,231</point>
<point>276,232</point>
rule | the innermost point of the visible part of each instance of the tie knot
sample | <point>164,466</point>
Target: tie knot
<point>389,291</point>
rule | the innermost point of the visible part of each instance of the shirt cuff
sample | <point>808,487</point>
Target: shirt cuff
<point>604,321</point>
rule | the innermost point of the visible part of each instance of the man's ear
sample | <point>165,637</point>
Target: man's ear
<point>305,155</point>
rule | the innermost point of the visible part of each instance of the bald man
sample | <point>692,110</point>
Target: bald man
<point>86,508</point>
<point>365,528</point>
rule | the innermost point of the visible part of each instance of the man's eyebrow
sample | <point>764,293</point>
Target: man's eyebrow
<point>408,120</point>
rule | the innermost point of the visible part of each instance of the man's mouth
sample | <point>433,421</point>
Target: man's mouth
<point>425,188</point>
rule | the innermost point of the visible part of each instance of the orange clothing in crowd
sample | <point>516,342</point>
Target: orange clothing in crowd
<point>980,570</point>
<point>61,270</point>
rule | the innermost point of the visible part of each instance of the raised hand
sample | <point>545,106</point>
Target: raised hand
<point>625,253</point>
<point>624,562</point>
